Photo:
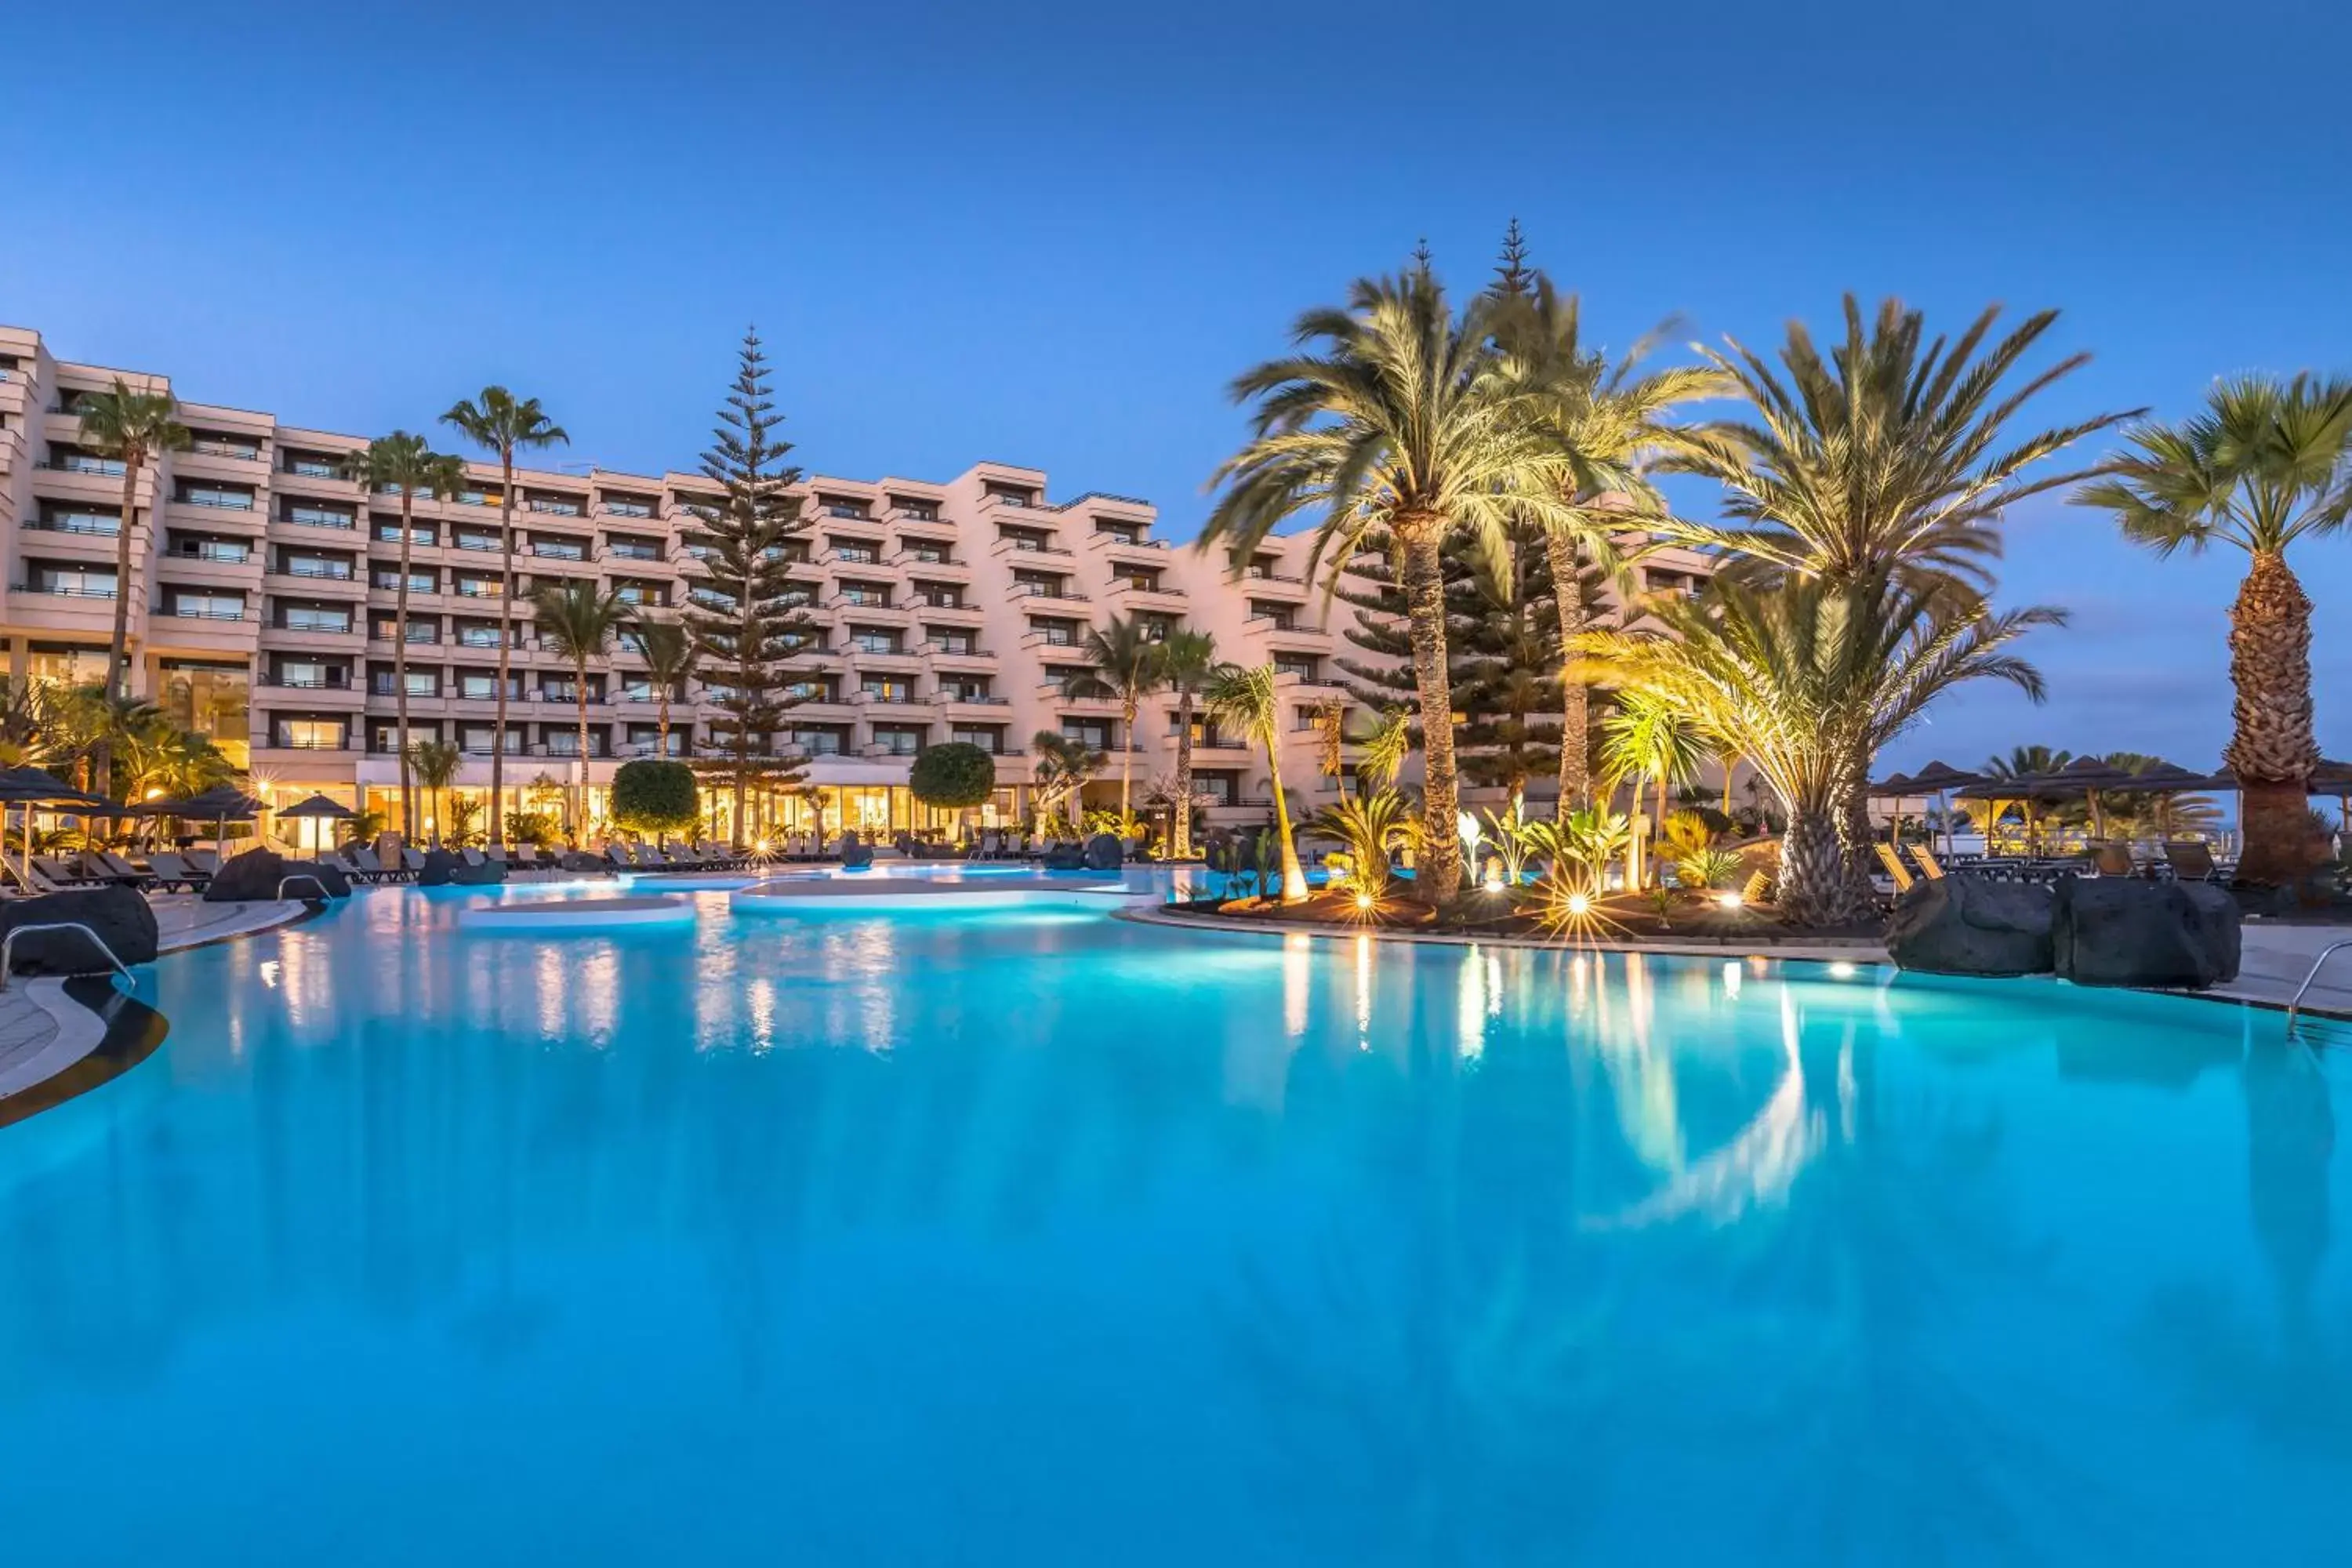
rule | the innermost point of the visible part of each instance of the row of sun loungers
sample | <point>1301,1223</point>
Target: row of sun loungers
<point>2184,860</point>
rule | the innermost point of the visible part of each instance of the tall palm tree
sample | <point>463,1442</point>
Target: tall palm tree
<point>1395,416</point>
<point>2265,464</point>
<point>404,463</point>
<point>1247,698</point>
<point>1126,658</point>
<point>435,765</point>
<point>1188,662</point>
<point>499,423</point>
<point>1607,420</point>
<point>133,428</point>
<point>1803,675</point>
<point>1649,740</point>
<point>2003,792</point>
<point>1064,766</point>
<point>580,623</point>
<point>671,655</point>
<point>1892,451</point>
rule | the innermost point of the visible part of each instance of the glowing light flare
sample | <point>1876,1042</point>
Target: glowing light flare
<point>1730,903</point>
<point>1841,970</point>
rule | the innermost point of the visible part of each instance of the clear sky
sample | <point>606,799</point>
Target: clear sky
<point>1051,234</point>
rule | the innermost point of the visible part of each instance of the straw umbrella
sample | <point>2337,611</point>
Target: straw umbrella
<point>1940,779</point>
<point>318,808</point>
<point>1898,788</point>
<point>221,805</point>
<point>29,787</point>
<point>2088,776</point>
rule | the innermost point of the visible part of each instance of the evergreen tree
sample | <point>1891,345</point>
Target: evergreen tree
<point>1505,655</point>
<point>1514,278</point>
<point>746,620</point>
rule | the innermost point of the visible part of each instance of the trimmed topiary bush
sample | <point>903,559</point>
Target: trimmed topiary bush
<point>650,796</point>
<point>955,776</point>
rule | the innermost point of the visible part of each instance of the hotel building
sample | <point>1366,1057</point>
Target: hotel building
<point>262,589</point>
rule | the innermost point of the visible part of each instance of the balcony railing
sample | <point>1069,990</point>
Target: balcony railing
<point>183,612</point>
<point>66,591</point>
<point>77,523</point>
<point>207,550</point>
<point>324,571</point>
<point>334,681</point>
<point>316,516</point>
<point>97,468</point>
<point>215,501</point>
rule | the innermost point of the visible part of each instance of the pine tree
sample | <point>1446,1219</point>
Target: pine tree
<point>1504,643</point>
<point>746,620</point>
<point>1514,278</point>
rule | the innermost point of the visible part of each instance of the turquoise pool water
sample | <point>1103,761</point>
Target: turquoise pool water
<point>1049,1238</point>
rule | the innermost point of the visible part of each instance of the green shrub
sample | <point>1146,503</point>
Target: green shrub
<point>651,795</point>
<point>954,776</point>
<point>540,829</point>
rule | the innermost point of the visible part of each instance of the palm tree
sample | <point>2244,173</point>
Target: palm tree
<point>404,463</point>
<point>1247,698</point>
<point>1802,676</point>
<point>1064,766</point>
<point>1606,419</point>
<point>435,765</point>
<point>133,428</point>
<point>496,422</point>
<point>1126,655</point>
<point>670,656</point>
<point>2022,762</point>
<point>1394,416</point>
<point>1385,746</point>
<point>1891,452</point>
<point>579,622</point>
<point>2265,464</point>
<point>1188,662</point>
<point>1649,739</point>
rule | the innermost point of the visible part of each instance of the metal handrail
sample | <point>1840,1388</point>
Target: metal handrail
<point>2325,954</point>
<point>283,882</point>
<point>8,948</point>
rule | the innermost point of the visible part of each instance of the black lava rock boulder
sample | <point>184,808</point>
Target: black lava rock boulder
<point>330,877</point>
<point>243,878</point>
<point>2119,931</point>
<point>1066,858</point>
<point>119,916</point>
<point>1104,853</point>
<point>1970,925</point>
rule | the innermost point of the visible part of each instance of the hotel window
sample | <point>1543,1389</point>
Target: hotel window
<point>65,666</point>
<point>559,549</point>
<point>477,498</point>
<point>896,742</point>
<point>628,505</point>
<point>874,595</point>
<point>471,585</point>
<point>465,540</point>
<point>310,734</point>
<point>928,553</point>
<point>478,637</point>
<point>226,447</point>
<point>384,628</point>
<point>389,533</point>
<point>1284,617</point>
<point>215,497</point>
<point>1142,582</point>
<point>310,675</point>
<point>311,468</point>
<point>554,506</point>
<point>1118,532</point>
<point>1042,583</point>
<point>476,739</point>
<point>421,683</point>
<point>967,689</point>
<point>210,699</point>
<point>315,618</point>
<point>74,462</point>
<point>1303,720</point>
<point>71,581</point>
<point>1218,787</point>
<point>866,640</point>
<point>315,566</point>
<point>914,511</point>
<point>960,643</point>
<point>632,548</point>
<point>810,691</point>
<point>883,688</point>
<point>1094,734</point>
<point>1056,634</point>
<point>835,506</point>
<point>201,607</point>
<point>1305,669</point>
<point>989,738</point>
<point>65,518</point>
<point>851,551</point>
<point>318,516</point>
<point>942,597</point>
<point>388,579</point>
<point>819,742</point>
<point>479,687</point>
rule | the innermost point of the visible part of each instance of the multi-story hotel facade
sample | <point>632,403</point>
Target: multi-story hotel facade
<point>263,582</point>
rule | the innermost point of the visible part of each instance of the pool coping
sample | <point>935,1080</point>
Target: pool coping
<point>1853,949</point>
<point>98,1039</point>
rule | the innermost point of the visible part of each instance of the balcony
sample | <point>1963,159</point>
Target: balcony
<point>1038,595</point>
<point>214,500</point>
<point>1112,547</point>
<point>89,468</point>
<point>1017,549</point>
<point>1127,596</point>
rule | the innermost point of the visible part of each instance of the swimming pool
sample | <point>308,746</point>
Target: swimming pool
<point>1045,1237</point>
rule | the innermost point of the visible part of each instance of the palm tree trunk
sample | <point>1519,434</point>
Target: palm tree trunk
<point>661,720</point>
<point>1294,880</point>
<point>1813,869</point>
<point>1439,877</point>
<point>400,667</point>
<point>1126,761</point>
<point>579,817</point>
<point>1180,832</point>
<point>506,642</point>
<point>1855,839</point>
<point>2272,747</point>
<point>117,651</point>
<point>1575,700</point>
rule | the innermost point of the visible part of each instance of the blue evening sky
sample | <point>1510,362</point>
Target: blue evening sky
<point>1051,234</point>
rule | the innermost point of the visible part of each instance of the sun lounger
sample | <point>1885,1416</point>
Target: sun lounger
<point>473,857</point>
<point>412,860</point>
<point>172,871</point>
<point>1929,866</point>
<point>2190,858</point>
<point>1895,867</point>
<point>2112,860</point>
<point>61,875</point>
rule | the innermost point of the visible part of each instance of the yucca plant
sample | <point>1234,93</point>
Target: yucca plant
<point>1373,827</point>
<point>2265,464</point>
